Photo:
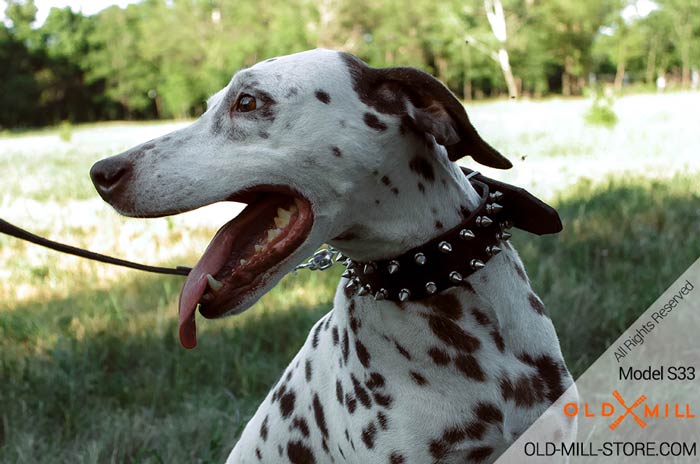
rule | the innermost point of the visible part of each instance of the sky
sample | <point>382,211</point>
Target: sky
<point>88,7</point>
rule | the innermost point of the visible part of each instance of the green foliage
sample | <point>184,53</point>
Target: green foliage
<point>65,131</point>
<point>162,59</point>
<point>601,112</point>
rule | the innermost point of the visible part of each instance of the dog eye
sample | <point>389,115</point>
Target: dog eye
<point>245,103</point>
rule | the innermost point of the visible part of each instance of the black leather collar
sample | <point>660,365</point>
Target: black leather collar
<point>448,259</point>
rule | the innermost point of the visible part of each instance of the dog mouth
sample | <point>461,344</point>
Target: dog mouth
<point>243,255</point>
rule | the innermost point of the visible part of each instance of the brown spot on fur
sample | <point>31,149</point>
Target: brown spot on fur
<point>346,345</point>
<point>480,317</point>
<point>452,334</point>
<point>373,121</point>
<point>323,97</point>
<point>300,424</point>
<point>418,379</point>
<point>438,225</point>
<point>299,453</point>
<point>498,340</point>
<point>337,152</point>
<point>549,371</point>
<point>383,400</point>
<point>314,340</point>
<point>489,413</point>
<point>263,429</point>
<point>402,351</point>
<point>480,453</point>
<point>421,187</point>
<point>287,404</point>
<point>421,166</point>
<point>339,391</point>
<point>383,420</point>
<point>351,402</point>
<point>535,303</point>
<point>368,435</point>
<point>439,356</point>
<point>396,458</point>
<point>362,353</point>
<point>394,190</point>
<point>375,381</point>
<point>307,370</point>
<point>360,392</point>
<point>469,366</point>
<point>334,333</point>
<point>445,304</point>
<point>320,416</point>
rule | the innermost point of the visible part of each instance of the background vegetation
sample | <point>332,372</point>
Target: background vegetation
<point>91,370</point>
<point>162,58</point>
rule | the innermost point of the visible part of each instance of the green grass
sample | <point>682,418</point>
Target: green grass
<point>90,366</point>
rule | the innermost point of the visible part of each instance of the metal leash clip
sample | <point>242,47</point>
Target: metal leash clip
<point>321,260</point>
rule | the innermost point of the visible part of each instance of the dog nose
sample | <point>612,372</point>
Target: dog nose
<point>109,173</point>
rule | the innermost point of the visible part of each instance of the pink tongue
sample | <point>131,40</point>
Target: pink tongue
<point>213,259</point>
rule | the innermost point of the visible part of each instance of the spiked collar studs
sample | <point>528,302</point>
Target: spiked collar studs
<point>443,262</point>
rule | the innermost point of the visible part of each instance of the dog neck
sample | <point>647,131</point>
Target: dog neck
<point>405,202</point>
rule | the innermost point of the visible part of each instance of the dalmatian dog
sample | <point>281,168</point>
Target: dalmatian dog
<point>325,149</point>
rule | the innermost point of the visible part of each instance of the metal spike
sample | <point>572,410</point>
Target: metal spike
<point>483,221</point>
<point>504,235</point>
<point>431,288</point>
<point>347,273</point>
<point>456,277</point>
<point>365,289</point>
<point>507,224</point>
<point>494,208</point>
<point>381,294</point>
<point>369,268</point>
<point>445,247</point>
<point>352,284</point>
<point>393,266</point>
<point>420,259</point>
<point>476,264</point>
<point>340,257</point>
<point>404,294</point>
<point>350,264</point>
<point>493,250</point>
<point>466,234</point>
<point>496,196</point>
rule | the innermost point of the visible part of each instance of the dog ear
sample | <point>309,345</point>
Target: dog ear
<point>424,104</point>
<point>432,108</point>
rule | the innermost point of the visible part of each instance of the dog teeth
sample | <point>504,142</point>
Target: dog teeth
<point>284,214</point>
<point>281,222</point>
<point>213,283</point>
<point>242,262</point>
<point>273,234</point>
<point>259,248</point>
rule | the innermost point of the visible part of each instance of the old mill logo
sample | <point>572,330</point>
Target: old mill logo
<point>640,411</point>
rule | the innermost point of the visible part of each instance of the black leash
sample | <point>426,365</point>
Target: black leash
<point>14,231</point>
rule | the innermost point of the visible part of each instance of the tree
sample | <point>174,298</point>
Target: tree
<point>684,15</point>
<point>570,27</point>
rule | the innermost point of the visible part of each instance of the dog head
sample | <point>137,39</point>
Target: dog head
<point>300,139</point>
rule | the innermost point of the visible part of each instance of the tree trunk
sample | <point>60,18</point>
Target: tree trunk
<point>621,65</point>
<point>507,73</point>
<point>651,63</point>
<point>567,77</point>
<point>467,89</point>
<point>497,21</point>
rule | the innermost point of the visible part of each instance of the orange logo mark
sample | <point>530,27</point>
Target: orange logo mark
<point>628,411</point>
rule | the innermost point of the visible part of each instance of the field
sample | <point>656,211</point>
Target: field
<point>90,365</point>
